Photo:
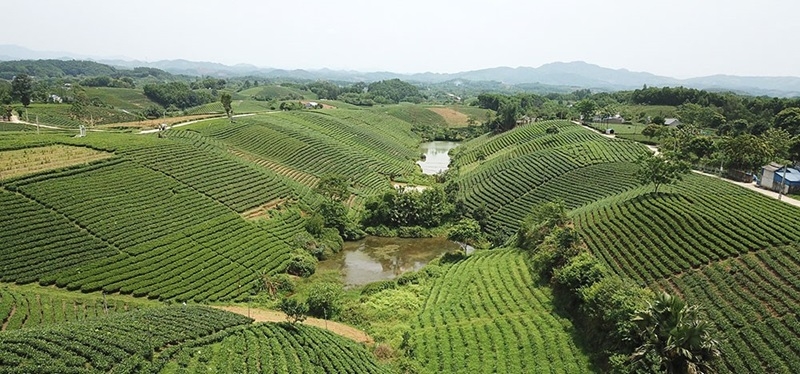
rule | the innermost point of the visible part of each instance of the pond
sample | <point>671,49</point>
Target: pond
<point>375,258</point>
<point>436,156</point>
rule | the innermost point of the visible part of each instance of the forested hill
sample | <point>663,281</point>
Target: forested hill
<point>73,68</point>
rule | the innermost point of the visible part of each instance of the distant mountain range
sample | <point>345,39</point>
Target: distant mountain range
<point>570,74</point>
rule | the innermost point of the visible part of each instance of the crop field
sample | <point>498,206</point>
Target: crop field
<point>413,114</point>
<point>276,92</point>
<point>34,160</point>
<point>275,348</point>
<point>452,117</point>
<point>154,123</point>
<point>510,172</point>
<point>123,342</point>
<point>238,107</point>
<point>649,237</point>
<point>753,299</point>
<point>486,314</point>
<point>133,232</point>
<point>26,307</point>
<point>59,115</point>
<point>312,143</point>
<point>9,126</point>
<point>131,99</point>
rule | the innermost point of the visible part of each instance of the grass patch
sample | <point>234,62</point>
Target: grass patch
<point>34,160</point>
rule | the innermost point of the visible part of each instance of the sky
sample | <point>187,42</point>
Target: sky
<point>676,38</point>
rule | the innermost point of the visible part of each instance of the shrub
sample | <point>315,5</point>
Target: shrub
<point>378,286</point>
<point>302,264</point>
<point>295,310</point>
<point>324,300</point>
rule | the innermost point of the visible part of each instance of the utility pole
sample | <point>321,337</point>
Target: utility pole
<point>783,182</point>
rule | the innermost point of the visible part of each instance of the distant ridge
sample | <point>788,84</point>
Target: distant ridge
<point>561,74</point>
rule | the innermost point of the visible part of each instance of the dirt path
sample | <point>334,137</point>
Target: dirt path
<point>14,119</point>
<point>10,316</point>
<point>192,122</point>
<point>263,315</point>
<point>753,187</point>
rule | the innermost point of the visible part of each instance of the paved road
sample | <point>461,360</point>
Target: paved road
<point>753,187</point>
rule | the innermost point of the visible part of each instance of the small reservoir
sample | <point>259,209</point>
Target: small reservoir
<point>376,258</point>
<point>436,158</point>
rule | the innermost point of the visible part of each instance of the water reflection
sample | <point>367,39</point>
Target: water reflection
<point>436,156</point>
<point>374,258</point>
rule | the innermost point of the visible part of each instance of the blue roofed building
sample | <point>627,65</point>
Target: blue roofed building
<point>772,177</point>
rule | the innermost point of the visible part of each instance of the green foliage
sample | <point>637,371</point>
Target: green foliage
<point>539,224</point>
<point>22,88</point>
<point>789,120</point>
<point>334,187</point>
<point>375,287</point>
<point>661,170</point>
<point>302,264</point>
<point>393,91</point>
<point>274,284</point>
<point>652,131</point>
<point>745,152</point>
<point>587,108</point>
<point>325,300</point>
<point>429,208</point>
<point>674,337</point>
<point>295,311</point>
<point>466,231</point>
<point>176,93</point>
<point>225,99</point>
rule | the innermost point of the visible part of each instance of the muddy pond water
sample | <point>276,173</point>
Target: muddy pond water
<point>375,258</point>
<point>436,154</point>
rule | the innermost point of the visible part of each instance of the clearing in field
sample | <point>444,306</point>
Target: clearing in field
<point>452,117</point>
<point>263,210</point>
<point>34,160</point>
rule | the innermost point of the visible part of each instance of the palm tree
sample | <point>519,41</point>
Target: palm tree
<point>674,337</point>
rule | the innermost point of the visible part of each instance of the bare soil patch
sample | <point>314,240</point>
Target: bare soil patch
<point>452,117</point>
<point>263,315</point>
<point>34,160</point>
<point>262,210</point>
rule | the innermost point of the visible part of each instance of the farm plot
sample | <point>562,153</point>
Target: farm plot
<point>702,220</point>
<point>753,300</point>
<point>36,242</point>
<point>25,308</point>
<point>124,342</point>
<point>486,315</point>
<point>174,242</point>
<point>275,348</point>
<point>318,144</point>
<point>35,160</point>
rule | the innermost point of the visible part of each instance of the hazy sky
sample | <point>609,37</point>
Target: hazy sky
<point>679,38</point>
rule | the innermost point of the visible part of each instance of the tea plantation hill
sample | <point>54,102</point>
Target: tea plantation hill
<point>728,249</point>
<point>163,218</point>
<point>179,338</point>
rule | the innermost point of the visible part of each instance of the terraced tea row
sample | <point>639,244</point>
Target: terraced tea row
<point>174,243</point>
<point>24,308</point>
<point>575,188</point>
<point>496,185</point>
<point>275,348</point>
<point>36,242</point>
<point>124,342</point>
<point>319,144</point>
<point>648,237</point>
<point>753,300</point>
<point>486,314</point>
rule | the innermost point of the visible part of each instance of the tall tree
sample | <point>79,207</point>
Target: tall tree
<point>226,100</point>
<point>586,108</point>
<point>789,120</point>
<point>22,88</point>
<point>660,170</point>
<point>674,338</point>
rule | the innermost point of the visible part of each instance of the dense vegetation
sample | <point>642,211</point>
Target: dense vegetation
<point>222,209</point>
